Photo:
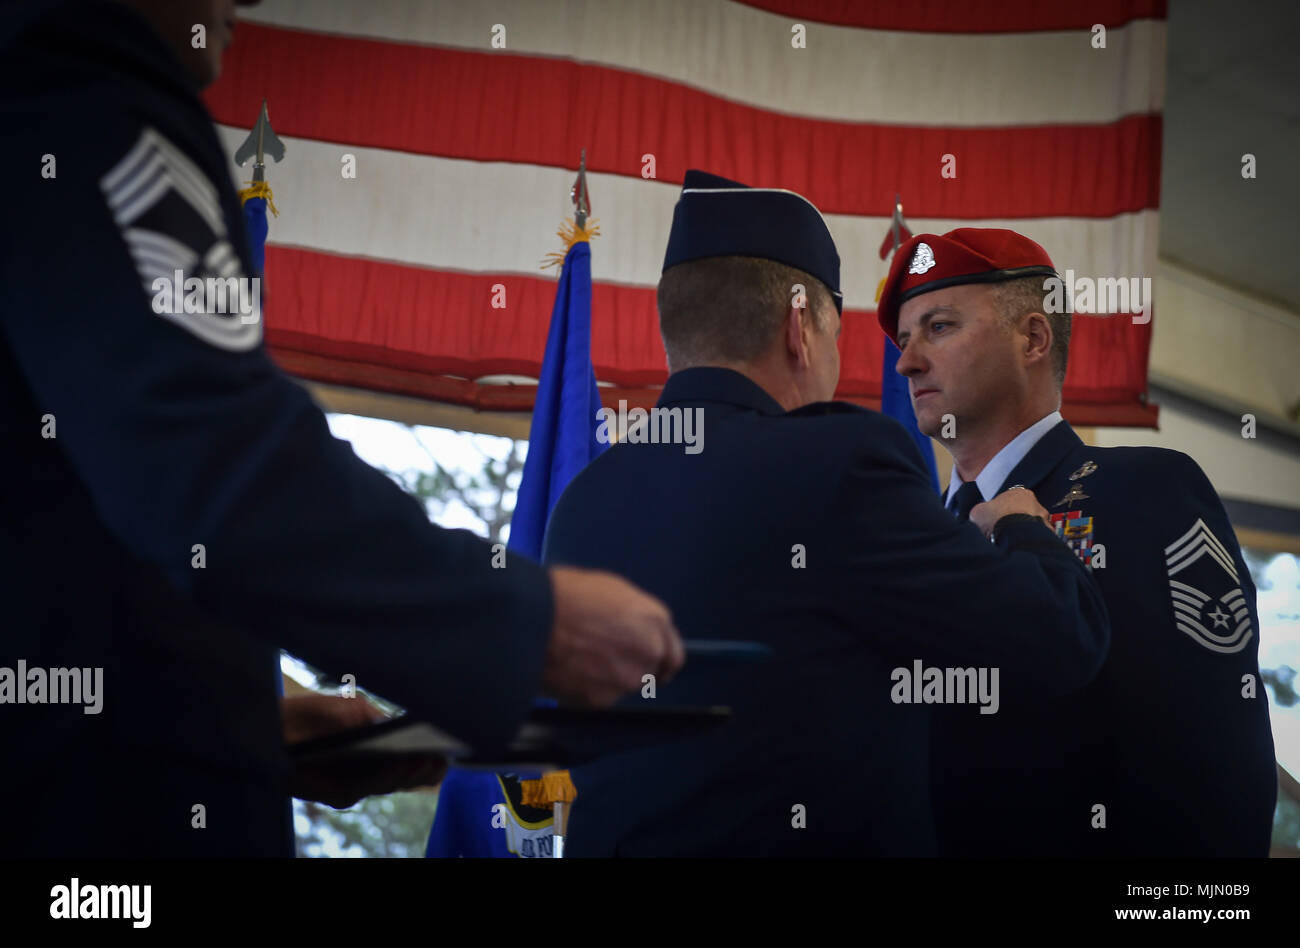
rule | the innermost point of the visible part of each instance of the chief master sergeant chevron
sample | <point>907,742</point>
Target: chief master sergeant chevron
<point>810,526</point>
<point>1168,752</point>
<point>137,442</point>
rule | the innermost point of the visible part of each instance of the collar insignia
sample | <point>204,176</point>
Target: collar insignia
<point>1088,468</point>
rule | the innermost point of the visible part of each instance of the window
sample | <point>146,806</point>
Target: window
<point>1277,579</point>
<point>466,481</point>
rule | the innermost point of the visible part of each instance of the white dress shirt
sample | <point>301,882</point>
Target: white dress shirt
<point>1005,461</point>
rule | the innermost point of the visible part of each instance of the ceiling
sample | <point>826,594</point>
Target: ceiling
<point>1233,88</point>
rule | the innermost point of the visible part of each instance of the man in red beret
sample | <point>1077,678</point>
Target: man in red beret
<point>1168,752</point>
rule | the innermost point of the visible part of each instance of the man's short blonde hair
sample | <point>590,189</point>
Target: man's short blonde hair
<point>729,309</point>
<point>1015,298</point>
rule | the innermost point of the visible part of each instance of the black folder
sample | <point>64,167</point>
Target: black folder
<point>551,738</point>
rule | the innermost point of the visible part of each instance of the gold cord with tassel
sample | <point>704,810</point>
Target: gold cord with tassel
<point>552,788</point>
<point>258,189</point>
<point>571,234</point>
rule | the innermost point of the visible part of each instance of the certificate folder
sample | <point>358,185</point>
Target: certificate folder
<point>552,737</point>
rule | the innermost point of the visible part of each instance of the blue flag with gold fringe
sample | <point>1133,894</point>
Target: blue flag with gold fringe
<point>479,814</point>
<point>255,199</point>
<point>562,439</point>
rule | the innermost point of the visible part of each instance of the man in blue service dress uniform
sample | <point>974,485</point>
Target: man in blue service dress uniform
<point>1168,751</point>
<point>174,507</point>
<point>810,526</point>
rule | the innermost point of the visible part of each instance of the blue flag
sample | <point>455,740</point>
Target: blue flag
<point>255,222</point>
<point>476,816</point>
<point>897,404</point>
<point>562,439</point>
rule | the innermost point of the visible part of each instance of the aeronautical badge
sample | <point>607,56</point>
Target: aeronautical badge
<point>1087,468</point>
<point>170,217</point>
<point>1075,493</point>
<point>922,259</point>
<point>1076,530</point>
<point>1206,591</point>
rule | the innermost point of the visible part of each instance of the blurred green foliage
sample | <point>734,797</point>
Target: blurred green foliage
<point>397,825</point>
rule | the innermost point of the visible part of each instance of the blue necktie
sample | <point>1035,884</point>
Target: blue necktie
<point>967,496</point>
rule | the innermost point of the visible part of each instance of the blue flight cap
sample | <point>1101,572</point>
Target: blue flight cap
<point>716,217</point>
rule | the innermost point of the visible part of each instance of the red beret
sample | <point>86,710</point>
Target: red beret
<point>967,255</point>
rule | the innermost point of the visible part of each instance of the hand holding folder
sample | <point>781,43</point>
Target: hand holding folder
<point>342,782</point>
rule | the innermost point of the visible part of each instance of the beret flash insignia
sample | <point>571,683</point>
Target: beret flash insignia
<point>922,260</point>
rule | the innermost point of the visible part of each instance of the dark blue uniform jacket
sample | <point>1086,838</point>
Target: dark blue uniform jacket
<point>888,577</point>
<point>1169,738</point>
<point>172,433</point>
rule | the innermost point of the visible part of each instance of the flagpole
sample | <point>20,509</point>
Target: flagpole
<point>558,785</point>
<point>562,440</point>
<point>897,221</point>
<point>260,143</point>
<point>582,207</point>
<point>254,201</point>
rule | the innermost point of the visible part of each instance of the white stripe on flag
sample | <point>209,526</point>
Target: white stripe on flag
<point>745,54</point>
<point>500,218</point>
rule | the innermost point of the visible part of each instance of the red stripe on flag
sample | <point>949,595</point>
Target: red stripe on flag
<point>965,16</point>
<point>373,322</point>
<point>501,107</point>
<point>443,322</point>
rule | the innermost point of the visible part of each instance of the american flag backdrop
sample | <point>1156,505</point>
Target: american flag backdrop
<point>465,121</point>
